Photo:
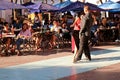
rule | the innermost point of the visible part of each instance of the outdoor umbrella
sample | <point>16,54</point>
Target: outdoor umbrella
<point>3,7</point>
<point>63,4</point>
<point>41,7</point>
<point>9,5</point>
<point>31,5</point>
<point>73,6</point>
<point>114,10</point>
<point>109,5</point>
<point>94,7</point>
<point>28,3</point>
<point>48,7</point>
<point>118,2</point>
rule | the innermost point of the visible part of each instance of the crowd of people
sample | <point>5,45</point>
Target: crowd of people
<point>85,27</point>
<point>26,30</point>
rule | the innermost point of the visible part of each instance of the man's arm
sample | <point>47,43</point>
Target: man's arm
<point>83,24</point>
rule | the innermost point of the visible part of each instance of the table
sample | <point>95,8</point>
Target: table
<point>16,31</point>
<point>7,39</point>
<point>8,35</point>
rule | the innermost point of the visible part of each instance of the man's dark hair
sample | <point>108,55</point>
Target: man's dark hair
<point>36,13</point>
<point>5,23</point>
<point>87,7</point>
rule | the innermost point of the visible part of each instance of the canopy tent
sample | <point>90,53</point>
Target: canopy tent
<point>73,6</point>
<point>28,3</point>
<point>63,4</point>
<point>31,5</point>
<point>109,5</point>
<point>114,10</point>
<point>3,7</point>
<point>9,5</point>
<point>48,7</point>
<point>78,6</point>
<point>40,7</point>
<point>118,2</point>
<point>94,7</point>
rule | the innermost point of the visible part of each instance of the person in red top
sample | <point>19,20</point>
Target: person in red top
<point>75,33</point>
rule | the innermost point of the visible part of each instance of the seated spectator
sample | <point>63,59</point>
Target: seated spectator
<point>42,37</point>
<point>1,24</point>
<point>17,24</point>
<point>37,37</point>
<point>56,29</point>
<point>7,40</point>
<point>23,36</point>
<point>65,32</point>
<point>118,26</point>
<point>37,22</point>
<point>104,24</point>
<point>112,23</point>
<point>95,29</point>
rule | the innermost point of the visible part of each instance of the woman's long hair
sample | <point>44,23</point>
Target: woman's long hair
<point>23,25</point>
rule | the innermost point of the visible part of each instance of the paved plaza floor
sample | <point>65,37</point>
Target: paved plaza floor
<point>62,67</point>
